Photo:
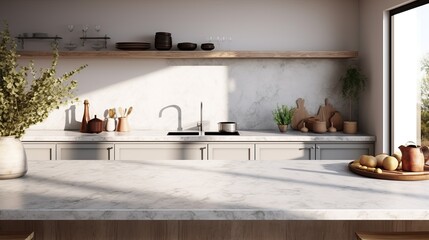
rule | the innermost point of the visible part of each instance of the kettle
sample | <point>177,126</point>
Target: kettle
<point>413,157</point>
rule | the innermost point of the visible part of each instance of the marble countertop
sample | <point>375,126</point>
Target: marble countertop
<point>150,135</point>
<point>207,190</point>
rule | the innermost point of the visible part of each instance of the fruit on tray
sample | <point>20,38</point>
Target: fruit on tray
<point>380,157</point>
<point>379,162</point>
<point>390,163</point>
<point>368,160</point>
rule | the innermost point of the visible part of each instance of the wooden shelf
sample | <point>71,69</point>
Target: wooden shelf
<point>196,54</point>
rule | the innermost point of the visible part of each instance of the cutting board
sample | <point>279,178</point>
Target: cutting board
<point>299,115</point>
<point>325,112</point>
<point>337,120</point>
<point>392,175</point>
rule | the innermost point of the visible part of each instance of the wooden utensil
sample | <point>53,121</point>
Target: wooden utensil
<point>121,111</point>
<point>111,113</point>
<point>129,111</point>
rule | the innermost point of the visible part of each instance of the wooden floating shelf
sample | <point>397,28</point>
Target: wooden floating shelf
<point>196,54</point>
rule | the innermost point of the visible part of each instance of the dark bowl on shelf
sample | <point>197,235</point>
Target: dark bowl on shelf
<point>207,46</point>
<point>187,46</point>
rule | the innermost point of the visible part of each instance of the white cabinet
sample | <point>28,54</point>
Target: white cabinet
<point>40,151</point>
<point>312,151</point>
<point>285,151</point>
<point>198,150</point>
<point>161,151</point>
<point>85,151</point>
<point>231,151</point>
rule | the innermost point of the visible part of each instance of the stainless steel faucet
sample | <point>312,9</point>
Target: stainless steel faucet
<point>200,123</point>
<point>179,115</point>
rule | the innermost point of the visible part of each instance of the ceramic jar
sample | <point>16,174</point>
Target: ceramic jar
<point>95,125</point>
<point>122,125</point>
<point>110,124</point>
<point>13,161</point>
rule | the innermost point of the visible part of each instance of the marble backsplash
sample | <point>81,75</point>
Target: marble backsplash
<point>244,91</point>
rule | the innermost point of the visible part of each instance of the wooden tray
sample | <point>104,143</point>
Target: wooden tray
<point>393,175</point>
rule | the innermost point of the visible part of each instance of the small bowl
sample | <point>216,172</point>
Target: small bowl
<point>207,46</point>
<point>319,127</point>
<point>187,46</point>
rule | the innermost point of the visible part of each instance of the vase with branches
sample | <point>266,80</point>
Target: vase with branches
<point>27,96</point>
<point>353,83</point>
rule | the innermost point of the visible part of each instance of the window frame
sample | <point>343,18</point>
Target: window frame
<point>393,12</point>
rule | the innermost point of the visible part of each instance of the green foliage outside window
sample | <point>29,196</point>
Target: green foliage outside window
<point>424,114</point>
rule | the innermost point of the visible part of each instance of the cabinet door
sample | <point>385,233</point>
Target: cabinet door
<point>285,151</point>
<point>161,151</point>
<point>343,151</point>
<point>40,151</point>
<point>85,151</point>
<point>231,151</point>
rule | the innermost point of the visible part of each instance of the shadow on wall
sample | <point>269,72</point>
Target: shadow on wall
<point>70,121</point>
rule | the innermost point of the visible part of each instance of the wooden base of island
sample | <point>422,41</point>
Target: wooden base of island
<point>208,230</point>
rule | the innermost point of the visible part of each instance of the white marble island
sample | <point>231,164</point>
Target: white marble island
<point>202,191</point>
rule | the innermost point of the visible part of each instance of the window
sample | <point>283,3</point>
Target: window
<point>409,34</point>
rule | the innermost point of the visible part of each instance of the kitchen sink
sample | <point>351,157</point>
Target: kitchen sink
<point>183,133</point>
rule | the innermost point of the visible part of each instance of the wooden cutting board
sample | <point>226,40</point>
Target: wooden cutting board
<point>337,120</point>
<point>392,175</point>
<point>299,115</point>
<point>325,112</point>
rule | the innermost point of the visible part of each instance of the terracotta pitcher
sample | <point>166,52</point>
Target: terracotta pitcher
<point>414,157</point>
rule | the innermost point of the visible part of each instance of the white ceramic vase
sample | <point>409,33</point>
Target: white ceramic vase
<point>13,161</point>
<point>110,125</point>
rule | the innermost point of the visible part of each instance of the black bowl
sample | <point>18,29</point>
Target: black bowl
<point>187,46</point>
<point>207,46</point>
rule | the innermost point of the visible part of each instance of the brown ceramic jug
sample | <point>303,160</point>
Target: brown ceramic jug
<point>414,157</point>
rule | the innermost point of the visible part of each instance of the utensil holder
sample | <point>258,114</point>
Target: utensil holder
<point>122,125</point>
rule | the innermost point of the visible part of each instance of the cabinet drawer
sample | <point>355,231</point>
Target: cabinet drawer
<point>343,151</point>
<point>161,151</point>
<point>40,151</point>
<point>85,151</point>
<point>285,151</point>
<point>231,151</point>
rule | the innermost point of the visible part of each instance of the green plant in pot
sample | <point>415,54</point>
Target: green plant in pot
<point>283,116</point>
<point>27,97</point>
<point>353,83</point>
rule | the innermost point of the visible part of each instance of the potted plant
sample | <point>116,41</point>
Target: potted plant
<point>283,116</point>
<point>24,103</point>
<point>353,83</point>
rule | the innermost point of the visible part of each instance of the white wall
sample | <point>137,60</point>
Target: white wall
<point>238,90</point>
<point>374,59</point>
